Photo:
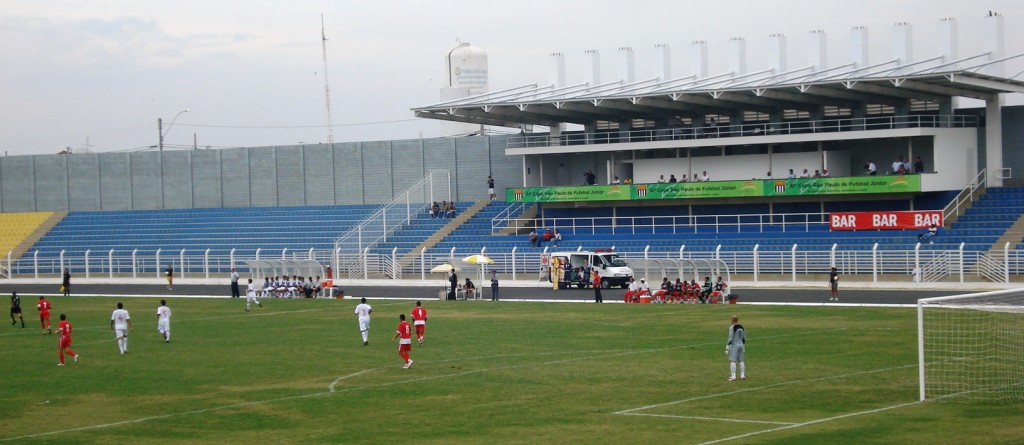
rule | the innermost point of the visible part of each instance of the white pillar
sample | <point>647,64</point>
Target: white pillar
<point>948,45</point>
<point>627,69</point>
<point>817,51</point>
<point>699,59</point>
<point>994,141</point>
<point>903,45</point>
<point>592,67</point>
<point>859,46</point>
<point>558,70</point>
<point>994,43</point>
<point>777,53</point>
<point>738,56</point>
<point>662,61</point>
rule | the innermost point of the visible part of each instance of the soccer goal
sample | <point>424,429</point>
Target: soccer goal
<point>971,346</point>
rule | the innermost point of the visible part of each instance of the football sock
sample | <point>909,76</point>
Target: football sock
<point>732,369</point>
<point>125,344</point>
<point>404,356</point>
<point>366,336</point>
<point>247,305</point>
<point>743,369</point>
<point>167,335</point>
<point>60,352</point>
<point>120,345</point>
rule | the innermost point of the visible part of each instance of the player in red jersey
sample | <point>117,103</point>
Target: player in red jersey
<point>64,343</point>
<point>44,314</point>
<point>405,344</point>
<point>419,319</point>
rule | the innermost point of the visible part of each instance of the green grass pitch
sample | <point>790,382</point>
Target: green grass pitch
<point>296,371</point>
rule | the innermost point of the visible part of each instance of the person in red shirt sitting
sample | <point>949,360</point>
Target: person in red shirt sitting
<point>404,333</point>
<point>633,292</point>
<point>64,343</point>
<point>720,292</point>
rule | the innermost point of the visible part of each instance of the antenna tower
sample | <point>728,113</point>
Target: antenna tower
<point>327,86</point>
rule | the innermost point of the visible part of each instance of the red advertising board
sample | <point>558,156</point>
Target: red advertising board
<point>884,220</point>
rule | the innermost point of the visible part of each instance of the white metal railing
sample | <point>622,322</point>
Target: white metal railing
<point>965,197</point>
<point>788,263</point>
<point>744,129</point>
<point>677,224</point>
<point>503,218</point>
<point>392,216</point>
<point>990,267</point>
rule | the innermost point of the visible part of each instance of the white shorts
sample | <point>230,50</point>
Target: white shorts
<point>251,299</point>
<point>364,324</point>
<point>118,333</point>
<point>419,323</point>
<point>163,326</point>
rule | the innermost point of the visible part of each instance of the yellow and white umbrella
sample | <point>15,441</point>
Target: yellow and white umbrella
<point>481,260</point>
<point>477,259</point>
<point>444,268</point>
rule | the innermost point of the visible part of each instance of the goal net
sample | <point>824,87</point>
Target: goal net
<point>971,346</point>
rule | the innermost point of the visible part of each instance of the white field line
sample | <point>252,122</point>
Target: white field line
<point>332,388</point>
<point>758,388</point>
<point>719,419</point>
<point>812,422</point>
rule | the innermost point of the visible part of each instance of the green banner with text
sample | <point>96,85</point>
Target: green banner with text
<point>719,189</point>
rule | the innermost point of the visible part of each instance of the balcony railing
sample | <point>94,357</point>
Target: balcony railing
<point>745,129</point>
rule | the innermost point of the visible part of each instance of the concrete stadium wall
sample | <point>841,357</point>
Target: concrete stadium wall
<point>298,175</point>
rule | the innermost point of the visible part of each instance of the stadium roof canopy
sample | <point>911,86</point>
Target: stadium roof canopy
<point>933,80</point>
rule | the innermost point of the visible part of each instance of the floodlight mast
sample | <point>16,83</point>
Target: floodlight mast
<point>327,86</point>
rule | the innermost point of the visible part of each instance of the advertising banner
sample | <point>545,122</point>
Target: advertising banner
<point>884,220</point>
<point>719,189</point>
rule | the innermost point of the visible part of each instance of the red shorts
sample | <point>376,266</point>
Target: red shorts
<point>404,348</point>
<point>419,329</point>
<point>64,342</point>
<point>45,315</point>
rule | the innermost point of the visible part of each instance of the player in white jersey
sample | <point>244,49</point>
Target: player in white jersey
<point>121,324</point>
<point>163,321</point>
<point>363,311</point>
<point>250,296</point>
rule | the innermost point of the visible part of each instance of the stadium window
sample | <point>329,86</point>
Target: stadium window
<point>880,109</point>
<point>918,106</point>
<point>754,116</point>
<point>795,115</point>
<point>831,111</point>
<point>606,125</point>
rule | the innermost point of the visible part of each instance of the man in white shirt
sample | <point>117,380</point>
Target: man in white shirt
<point>363,311</point>
<point>871,169</point>
<point>121,324</point>
<point>644,288</point>
<point>804,174</point>
<point>163,321</point>
<point>704,177</point>
<point>896,166</point>
<point>616,180</point>
<point>250,296</point>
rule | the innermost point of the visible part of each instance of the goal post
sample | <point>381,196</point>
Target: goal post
<point>971,346</point>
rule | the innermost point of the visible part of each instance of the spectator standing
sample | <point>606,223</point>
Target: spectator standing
<point>791,174</point>
<point>596,281</point>
<point>490,188</point>
<point>833,284</point>
<point>704,177</point>
<point>494,285</point>
<point>235,293</point>
<point>661,179</point>
<point>590,177</point>
<point>672,179</point>
<point>804,174</point>
<point>918,165</point>
<point>897,165</point>
<point>66,283</point>
<point>870,169</point>
<point>616,180</point>
<point>453,283</point>
<point>734,348</point>
<point>169,273</point>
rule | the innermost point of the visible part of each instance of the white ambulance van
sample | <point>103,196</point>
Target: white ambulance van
<point>613,270</point>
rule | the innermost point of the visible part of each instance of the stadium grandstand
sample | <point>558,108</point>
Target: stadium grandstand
<point>874,168</point>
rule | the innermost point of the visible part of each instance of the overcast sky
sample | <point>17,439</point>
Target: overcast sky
<point>101,72</point>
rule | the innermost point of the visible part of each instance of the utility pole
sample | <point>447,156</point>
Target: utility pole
<point>160,131</point>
